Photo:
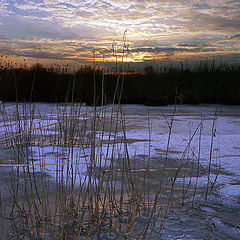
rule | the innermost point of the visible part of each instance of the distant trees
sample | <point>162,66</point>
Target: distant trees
<point>202,84</point>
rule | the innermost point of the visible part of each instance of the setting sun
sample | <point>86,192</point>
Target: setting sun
<point>166,31</point>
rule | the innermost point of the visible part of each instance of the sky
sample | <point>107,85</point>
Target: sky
<point>83,31</point>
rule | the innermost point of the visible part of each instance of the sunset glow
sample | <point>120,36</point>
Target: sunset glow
<point>168,30</point>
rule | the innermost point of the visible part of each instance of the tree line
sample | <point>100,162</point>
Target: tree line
<point>201,84</point>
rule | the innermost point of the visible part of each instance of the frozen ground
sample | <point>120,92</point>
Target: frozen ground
<point>193,126</point>
<point>221,218</point>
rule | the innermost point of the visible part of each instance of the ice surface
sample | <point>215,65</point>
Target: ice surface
<point>232,190</point>
<point>148,128</point>
<point>220,140</point>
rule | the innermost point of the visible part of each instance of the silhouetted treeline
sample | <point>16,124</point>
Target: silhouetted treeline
<point>202,84</point>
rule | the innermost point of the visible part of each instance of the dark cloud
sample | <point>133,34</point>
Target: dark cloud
<point>34,53</point>
<point>188,45</point>
<point>235,37</point>
<point>175,49</point>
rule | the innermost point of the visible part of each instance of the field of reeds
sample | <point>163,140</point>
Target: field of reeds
<point>69,174</point>
<point>153,85</point>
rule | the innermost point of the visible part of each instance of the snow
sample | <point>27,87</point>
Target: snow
<point>148,129</point>
<point>230,190</point>
<point>226,142</point>
<point>144,123</point>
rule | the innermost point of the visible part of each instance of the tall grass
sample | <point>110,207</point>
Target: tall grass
<point>95,188</point>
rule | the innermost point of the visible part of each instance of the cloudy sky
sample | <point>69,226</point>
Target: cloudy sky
<point>162,30</point>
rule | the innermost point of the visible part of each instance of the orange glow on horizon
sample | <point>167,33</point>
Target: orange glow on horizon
<point>125,73</point>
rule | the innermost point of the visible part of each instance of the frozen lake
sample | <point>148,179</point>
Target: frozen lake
<point>204,133</point>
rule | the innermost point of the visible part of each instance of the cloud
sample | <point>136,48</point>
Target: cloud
<point>234,37</point>
<point>176,50</point>
<point>171,28</point>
